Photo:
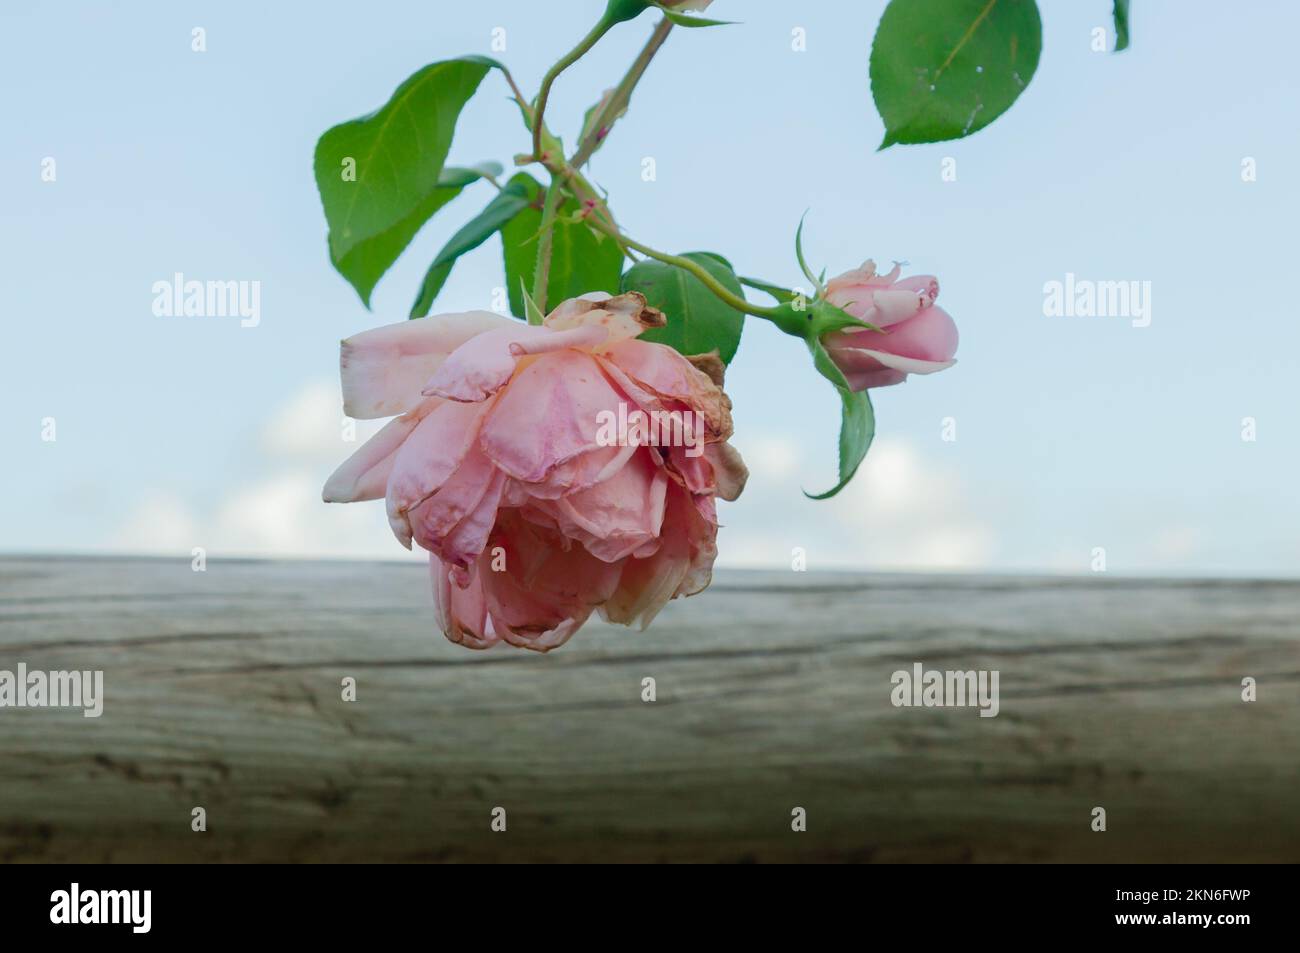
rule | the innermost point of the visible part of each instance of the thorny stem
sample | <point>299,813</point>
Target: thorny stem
<point>699,271</point>
<point>550,207</point>
<point>544,93</point>
<point>554,163</point>
<point>622,94</point>
<point>565,174</point>
<point>514,87</point>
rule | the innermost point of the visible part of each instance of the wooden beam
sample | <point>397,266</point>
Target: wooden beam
<point>223,691</point>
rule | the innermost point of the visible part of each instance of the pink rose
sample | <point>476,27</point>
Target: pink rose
<point>918,338</point>
<point>498,464</point>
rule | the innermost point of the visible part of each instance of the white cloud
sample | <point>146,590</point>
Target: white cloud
<point>283,515</point>
<point>1176,545</point>
<point>772,455</point>
<point>311,426</point>
<point>280,512</point>
<point>901,511</point>
<point>160,522</point>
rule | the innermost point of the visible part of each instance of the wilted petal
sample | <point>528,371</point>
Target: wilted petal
<point>462,611</point>
<point>482,366</point>
<point>622,317</point>
<point>614,518</point>
<point>546,589</point>
<point>658,378</point>
<point>364,475</point>
<point>682,565</point>
<point>691,469</point>
<point>454,522</point>
<point>579,473</point>
<point>467,541</point>
<point>384,369</point>
<point>729,471</point>
<point>429,457</point>
<point>549,414</point>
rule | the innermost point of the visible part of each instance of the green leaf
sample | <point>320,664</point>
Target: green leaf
<point>943,69</point>
<point>430,287</point>
<point>857,420</point>
<point>380,176</point>
<point>681,19</point>
<point>367,261</point>
<point>505,205</point>
<point>466,175</point>
<point>697,321</point>
<point>1121,25</point>
<point>581,261</point>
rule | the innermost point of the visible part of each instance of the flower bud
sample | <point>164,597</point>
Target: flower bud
<point>918,336</point>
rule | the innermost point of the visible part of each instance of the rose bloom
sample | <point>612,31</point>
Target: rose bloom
<point>496,465</point>
<point>919,337</point>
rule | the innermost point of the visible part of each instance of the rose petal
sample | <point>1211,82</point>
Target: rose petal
<point>614,518</point>
<point>548,415</point>
<point>622,317</point>
<point>364,475</point>
<point>428,458</point>
<point>482,366</point>
<point>545,591</point>
<point>930,336</point>
<point>729,471</point>
<point>682,565</point>
<point>658,378</point>
<point>462,611</point>
<point>384,369</point>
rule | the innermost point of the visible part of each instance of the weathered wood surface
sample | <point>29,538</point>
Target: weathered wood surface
<point>223,691</point>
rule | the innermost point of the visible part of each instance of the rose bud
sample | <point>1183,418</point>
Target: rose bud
<point>918,336</point>
<point>497,464</point>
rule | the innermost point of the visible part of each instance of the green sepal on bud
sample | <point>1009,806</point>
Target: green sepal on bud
<point>682,19</point>
<point>857,418</point>
<point>813,320</point>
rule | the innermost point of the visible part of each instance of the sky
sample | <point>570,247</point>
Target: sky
<point>1073,435</point>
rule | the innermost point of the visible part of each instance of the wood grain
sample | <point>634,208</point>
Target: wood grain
<point>223,691</point>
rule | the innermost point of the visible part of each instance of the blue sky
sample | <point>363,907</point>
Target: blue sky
<point>1072,433</point>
